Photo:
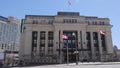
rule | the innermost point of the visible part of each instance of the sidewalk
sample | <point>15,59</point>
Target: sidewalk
<point>95,63</point>
<point>82,65</point>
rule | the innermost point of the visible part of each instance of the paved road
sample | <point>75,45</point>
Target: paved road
<point>80,65</point>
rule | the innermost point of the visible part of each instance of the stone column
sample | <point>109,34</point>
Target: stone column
<point>108,41</point>
<point>61,46</point>
<point>22,46</point>
<point>79,43</point>
<point>46,42</point>
<point>84,39</point>
<point>28,43</point>
<point>100,46</point>
<point>61,40</point>
<point>56,41</point>
<point>38,42</point>
<point>84,53</point>
<point>92,45</point>
<point>56,44</point>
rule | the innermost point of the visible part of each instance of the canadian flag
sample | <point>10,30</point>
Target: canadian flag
<point>64,36</point>
<point>101,32</point>
<point>69,2</point>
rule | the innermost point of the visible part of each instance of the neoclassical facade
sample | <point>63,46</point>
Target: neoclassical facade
<point>41,41</point>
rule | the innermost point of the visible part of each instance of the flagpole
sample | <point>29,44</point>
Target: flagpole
<point>100,34</point>
<point>67,54</point>
<point>66,38</point>
<point>100,47</point>
<point>69,3</point>
<point>60,49</point>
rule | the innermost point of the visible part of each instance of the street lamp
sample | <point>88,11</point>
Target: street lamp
<point>73,34</point>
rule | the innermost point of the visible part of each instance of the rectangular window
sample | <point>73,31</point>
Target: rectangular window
<point>69,20</point>
<point>102,23</point>
<point>50,50</point>
<point>95,23</point>
<point>42,43</point>
<point>103,42</point>
<point>34,39</point>
<point>88,40</point>
<point>95,40</point>
<point>50,43</point>
<point>34,43</point>
<point>50,35</point>
<point>64,20</point>
<point>50,38</point>
<point>42,51</point>
<point>42,35</point>
<point>88,35</point>
<point>35,22</point>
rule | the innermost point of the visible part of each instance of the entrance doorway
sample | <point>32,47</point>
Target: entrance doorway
<point>71,57</point>
<point>72,44</point>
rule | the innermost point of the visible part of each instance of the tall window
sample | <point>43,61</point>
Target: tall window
<point>95,40</point>
<point>42,38</point>
<point>35,22</point>
<point>94,23</point>
<point>88,43</point>
<point>50,22</point>
<point>103,42</point>
<point>88,40</point>
<point>50,42</point>
<point>42,51</point>
<point>72,41</point>
<point>50,39</point>
<point>42,43</point>
<point>50,50</point>
<point>50,35</point>
<point>34,43</point>
<point>102,23</point>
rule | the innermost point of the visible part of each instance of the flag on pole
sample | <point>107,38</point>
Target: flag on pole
<point>63,36</point>
<point>101,32</point>
<point>69,2</point>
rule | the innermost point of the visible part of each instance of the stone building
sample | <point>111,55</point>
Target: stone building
<point>41,41</point>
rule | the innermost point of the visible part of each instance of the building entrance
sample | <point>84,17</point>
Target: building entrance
<point>72,44</point>
<point>71,57</point>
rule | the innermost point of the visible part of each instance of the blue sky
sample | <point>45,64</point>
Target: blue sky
<point>100,8</point>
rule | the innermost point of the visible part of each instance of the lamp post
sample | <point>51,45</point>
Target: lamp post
<point>73,34</point>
